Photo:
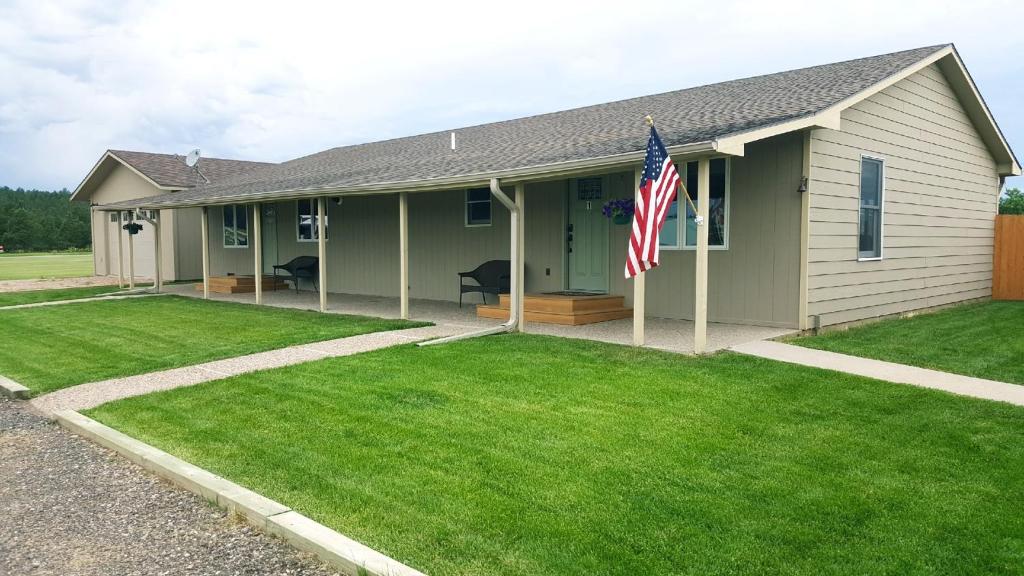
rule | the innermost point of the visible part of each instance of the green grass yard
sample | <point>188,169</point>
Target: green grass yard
<point>53,347</point>
<point>37,296</point>
<point>982,340</point>
<point>525,454</point>
<point>32,265</point>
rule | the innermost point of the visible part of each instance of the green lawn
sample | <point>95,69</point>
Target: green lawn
<point>58,346</point>
<point>982,340</point>
<point>33,265</point>
<point>535,455</point>
<point>36,296</point>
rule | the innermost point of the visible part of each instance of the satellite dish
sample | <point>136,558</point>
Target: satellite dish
<point>193,158</point>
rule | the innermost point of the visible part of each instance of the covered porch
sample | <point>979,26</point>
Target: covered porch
<point>661,333</point>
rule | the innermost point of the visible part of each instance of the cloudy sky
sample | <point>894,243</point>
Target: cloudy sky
<point>277,80</point>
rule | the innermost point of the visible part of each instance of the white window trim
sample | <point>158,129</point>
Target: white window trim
<point>248,226</point>
<point>681,222</point>
<point>314,204</point>
<point>465,210</point>
<point>881,210</point>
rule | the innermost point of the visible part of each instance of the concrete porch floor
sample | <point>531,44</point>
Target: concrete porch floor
<point>663,334</point>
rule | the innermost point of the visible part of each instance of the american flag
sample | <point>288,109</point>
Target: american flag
<point>657,191</point>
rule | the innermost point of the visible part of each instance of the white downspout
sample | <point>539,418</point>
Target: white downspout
<point>514,279</point>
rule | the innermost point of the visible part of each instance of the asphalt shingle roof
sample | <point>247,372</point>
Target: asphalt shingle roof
<point>689,116</point>
<point>170,169</point>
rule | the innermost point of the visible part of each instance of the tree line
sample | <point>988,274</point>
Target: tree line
<point>40,220</point>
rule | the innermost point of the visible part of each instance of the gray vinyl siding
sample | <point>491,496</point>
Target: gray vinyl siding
<point>754,281</point>
<point>941,193</point>
<point>362,250</point>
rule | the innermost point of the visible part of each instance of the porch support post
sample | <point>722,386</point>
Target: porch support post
<point>321,226</point>
<point>205,227</point>
<point>257,252</point>
<point>700,313</point>
<point>131,261</point>
<point>520,257</point>
<point>805,231</point>
<point>158,280</point>
<point>403,254</point>
<point>640,280</point>
<point>120,252</point>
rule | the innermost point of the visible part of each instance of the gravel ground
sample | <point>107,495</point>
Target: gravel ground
<point>69,507</point>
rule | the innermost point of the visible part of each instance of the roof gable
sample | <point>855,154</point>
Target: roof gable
<point>163,171</point>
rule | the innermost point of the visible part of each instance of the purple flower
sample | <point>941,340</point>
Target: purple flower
<point>618,207</point>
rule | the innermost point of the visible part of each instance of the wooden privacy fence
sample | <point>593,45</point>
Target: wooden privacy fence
<point>1008,261</point>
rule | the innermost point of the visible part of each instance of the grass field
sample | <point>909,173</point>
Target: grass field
<point>33,265</point>
<point>36,296</point>
<point>54,347</point>
<point>525,454</point>
<point>982,340</point>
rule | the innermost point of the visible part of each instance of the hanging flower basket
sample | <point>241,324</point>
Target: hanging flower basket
<point>133,228</point>
<point>620,211</point>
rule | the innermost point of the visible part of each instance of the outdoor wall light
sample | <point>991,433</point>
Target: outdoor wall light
<point>803,185</point>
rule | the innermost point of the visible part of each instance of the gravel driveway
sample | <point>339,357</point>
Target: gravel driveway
<point>72,508</point>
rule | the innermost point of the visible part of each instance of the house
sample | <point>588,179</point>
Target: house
<point>832,194</point>
<point>122,175</point>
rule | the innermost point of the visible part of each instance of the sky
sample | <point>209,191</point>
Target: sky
<point>278,80</point>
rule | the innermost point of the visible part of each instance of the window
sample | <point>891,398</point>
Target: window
<point>307,222</point>
<point>718,210</point>
<point>478,207</point>
<point>869,237</point>
<point>236,226</point>
<point>113,216</point>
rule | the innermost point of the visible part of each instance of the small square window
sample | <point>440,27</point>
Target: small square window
<point>478,207</point>
<point>236,226</point>
<point>308,227</point>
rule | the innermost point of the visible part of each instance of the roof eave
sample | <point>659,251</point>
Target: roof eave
<point>515,175</point>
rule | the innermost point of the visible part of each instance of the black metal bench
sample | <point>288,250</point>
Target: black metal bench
<point>298,268</point>
<point>492,277</point>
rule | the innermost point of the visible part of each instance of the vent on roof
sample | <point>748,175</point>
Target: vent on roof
<point>453,140</point>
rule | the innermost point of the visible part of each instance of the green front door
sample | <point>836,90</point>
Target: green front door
<point>587,237</point>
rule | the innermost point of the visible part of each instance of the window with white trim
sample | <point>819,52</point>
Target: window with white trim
<point>478,207</point>
<point>236,226</point>
<point>872,190</point>
<point>307,223</point>
<point>685,229</point>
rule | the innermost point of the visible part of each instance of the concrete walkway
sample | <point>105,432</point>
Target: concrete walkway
<point>93,394</point>
<point>888,371</point>
<point>80,300</point>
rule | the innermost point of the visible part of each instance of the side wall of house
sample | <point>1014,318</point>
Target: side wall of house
<point>119,185</point>
<point>940,198</point>
<point>756,280</point>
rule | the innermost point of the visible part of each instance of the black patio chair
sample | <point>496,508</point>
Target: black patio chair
<point>492,277</point>
<point>298,268</point>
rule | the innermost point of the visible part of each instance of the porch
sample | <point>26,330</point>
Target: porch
<point>663,334</point>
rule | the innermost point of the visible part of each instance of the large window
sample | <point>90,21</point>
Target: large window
<point>478,207</point>
<point>685,228</point>
<point>236,226</point>
<point>872,190</point>
<point>307,223</point>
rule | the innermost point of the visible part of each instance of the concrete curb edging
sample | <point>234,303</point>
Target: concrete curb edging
<point>12,389</point>
<point>337,550</point>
